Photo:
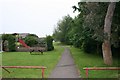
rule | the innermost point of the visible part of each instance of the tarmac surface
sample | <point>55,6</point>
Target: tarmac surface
<point>66,67</point>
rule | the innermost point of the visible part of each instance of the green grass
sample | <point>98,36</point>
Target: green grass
<point>49,60</point>
<point>91,60</point>
<point>0,65</point>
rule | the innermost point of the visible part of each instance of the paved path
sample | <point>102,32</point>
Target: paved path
<point>65,67</point>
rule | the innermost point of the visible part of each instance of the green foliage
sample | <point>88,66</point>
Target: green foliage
<point>33,35</point>
<point>49,41</point>
<point>5,36</point>
<point>89,46</point>
<point>42,42</point>
<point>31,40</point>
<point>61,33</point>
<point>11,41</point>
<point>115,36</point>
<point>85,31</point>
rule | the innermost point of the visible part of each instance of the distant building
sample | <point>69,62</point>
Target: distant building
<point>23,35</point>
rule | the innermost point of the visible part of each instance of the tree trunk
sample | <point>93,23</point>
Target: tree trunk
<point>106,46</point>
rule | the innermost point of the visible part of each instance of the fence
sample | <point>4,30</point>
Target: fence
<point>100,68</point>
<point>25,67</point>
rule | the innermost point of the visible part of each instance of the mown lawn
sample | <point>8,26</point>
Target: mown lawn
<point>91,60</point>
<point>49,60</point>
<point>0,64</point>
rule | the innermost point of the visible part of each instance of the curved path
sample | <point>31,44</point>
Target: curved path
<point>65,67</point>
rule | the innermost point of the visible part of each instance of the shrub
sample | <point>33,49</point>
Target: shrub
<point>11,41</point>
<point>49,41</point>
<point>31,40</point>
<point>90,46</point>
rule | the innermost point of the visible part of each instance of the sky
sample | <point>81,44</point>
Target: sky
<point>38,17</point>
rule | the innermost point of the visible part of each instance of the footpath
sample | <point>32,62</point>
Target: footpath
<point>65,67</point>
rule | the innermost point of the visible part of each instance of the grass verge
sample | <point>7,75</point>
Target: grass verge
<point>48,59</point>
<point>0,65</point>
<point>93,60</point>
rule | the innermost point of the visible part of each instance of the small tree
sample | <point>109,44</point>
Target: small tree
<point>31,40</point>
<point>49,41</point>
<point>11,41</point>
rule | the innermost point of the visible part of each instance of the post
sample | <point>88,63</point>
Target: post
<point>42,72</point>
<point>99,68</point>
<point>87,72</point>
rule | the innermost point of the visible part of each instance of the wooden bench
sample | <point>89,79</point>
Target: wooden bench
<point>40,51</point>
<point>100,68</point>
<point>25,67</point>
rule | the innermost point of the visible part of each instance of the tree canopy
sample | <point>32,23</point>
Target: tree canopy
<point>85,31</point>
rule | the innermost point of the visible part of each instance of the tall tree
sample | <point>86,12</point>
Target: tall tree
<point>106,46</point>
<point>61,33</point>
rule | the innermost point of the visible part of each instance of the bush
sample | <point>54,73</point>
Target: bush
<point>31,40</point>
<point>90,46</point>
<point>11,41</point>
<point>49,41</point>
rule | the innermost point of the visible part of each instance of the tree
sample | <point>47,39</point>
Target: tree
<point>33,35</point>
<point>31,40</point>
<point>49,41</point>
<point>106,46</point>
<point>61,33</point>
<point>94,21</point>
<point>87,22</point>
<point>87,28</point>
<point>11,41</point>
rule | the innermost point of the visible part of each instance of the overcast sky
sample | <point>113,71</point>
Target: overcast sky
<point>33,16</point>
